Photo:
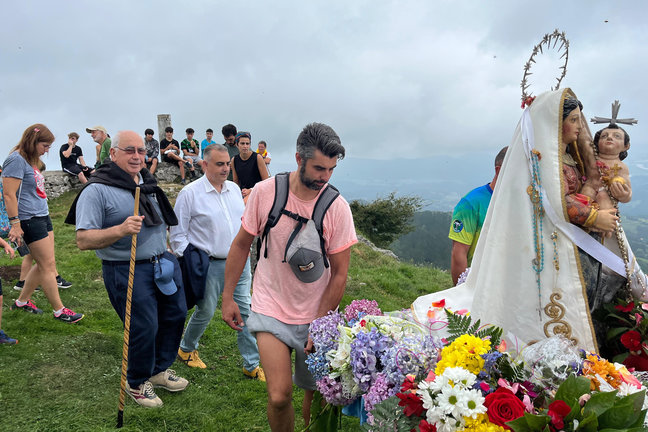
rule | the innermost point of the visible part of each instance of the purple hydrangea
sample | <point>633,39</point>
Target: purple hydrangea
<point>366,350</point>
<point>414,355</point>
<point>358,308</point>
<point>324,331</point>
<point>380,390</point>
<point>332,391</point>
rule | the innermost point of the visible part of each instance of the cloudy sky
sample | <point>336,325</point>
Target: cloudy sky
<point>432,81</point>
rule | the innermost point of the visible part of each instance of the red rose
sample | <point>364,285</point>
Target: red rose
<point>503,406</point>
<point>412,403</point>
<point>558,410</point>
<point>631,340</point>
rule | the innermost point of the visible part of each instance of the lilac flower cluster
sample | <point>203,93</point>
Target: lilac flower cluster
<point>359,308</point>
<point>366,350</point>
<point>332,391</point>
<point>380,390</point>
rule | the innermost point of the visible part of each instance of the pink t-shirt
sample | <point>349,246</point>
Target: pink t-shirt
<point>277,291</point>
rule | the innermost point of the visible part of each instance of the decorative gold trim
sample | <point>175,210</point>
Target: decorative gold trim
<point>556,312</point>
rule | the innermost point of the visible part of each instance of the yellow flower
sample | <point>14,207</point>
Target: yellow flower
<point>466,352</point>
<point>481,424</point>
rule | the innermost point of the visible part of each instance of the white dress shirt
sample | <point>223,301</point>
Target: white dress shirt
<point>208,219</point>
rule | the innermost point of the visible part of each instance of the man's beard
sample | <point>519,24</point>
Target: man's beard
<point>308,182</point>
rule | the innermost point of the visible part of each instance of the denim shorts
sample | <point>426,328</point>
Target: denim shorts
<point>295,336</point>
<point>36,228</point>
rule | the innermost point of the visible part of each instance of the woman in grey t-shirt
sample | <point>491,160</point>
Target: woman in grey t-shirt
<point>26,202</point>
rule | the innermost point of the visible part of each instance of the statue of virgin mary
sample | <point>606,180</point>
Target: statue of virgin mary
<point>532,269</point>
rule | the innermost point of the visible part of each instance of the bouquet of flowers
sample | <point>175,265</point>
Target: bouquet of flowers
<point>363,352</point>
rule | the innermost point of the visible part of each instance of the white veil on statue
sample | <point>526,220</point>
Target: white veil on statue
<point>501,288</point>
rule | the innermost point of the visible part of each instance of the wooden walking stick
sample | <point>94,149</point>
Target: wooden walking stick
<point>127,316</point>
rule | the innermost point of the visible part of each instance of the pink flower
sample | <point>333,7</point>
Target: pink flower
<point>503,383</point>
<point>638,318</point>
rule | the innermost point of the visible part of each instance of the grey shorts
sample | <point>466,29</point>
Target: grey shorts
<point>295,336</point>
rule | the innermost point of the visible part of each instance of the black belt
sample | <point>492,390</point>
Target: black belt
<point>211,258</point>
<point>153,259</point>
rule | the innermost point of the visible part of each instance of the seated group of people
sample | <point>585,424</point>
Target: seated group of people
<point>246,171</point>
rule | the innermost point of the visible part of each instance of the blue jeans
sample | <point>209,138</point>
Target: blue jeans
<point>206,307</point>
<point>156,319</point>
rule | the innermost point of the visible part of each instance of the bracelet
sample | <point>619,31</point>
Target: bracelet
<point>13,218</point>
<point>14,222</point>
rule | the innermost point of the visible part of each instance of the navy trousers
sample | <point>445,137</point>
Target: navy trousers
<point>157,320</point>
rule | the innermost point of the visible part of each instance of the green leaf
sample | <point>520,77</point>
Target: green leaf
<point>615,332</point>
<point>599,403</point>
<point>573,388</point>
<point>589,423</point>
<point>529,423</point>
<point>620,416</point>
<point>324,417</point>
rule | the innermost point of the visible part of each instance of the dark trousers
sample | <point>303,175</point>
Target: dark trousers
<point>157,320</point>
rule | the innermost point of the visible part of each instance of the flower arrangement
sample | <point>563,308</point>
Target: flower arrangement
<point>408,380</point>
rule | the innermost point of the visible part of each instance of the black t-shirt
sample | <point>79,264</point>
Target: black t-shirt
<point>74,155</point>
<point>164,143</point>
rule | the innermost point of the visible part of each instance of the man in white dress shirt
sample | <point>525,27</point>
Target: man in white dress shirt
<point>209,214</point>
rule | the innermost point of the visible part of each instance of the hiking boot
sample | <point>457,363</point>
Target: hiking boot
<point>191,359</point>
<point>69,316</point>
<point>21,284</point>
<point>257,373</point>
<point>168,380</point>
<point>29,307</point>
<point>62,283</point>
<point>4,339</point>
<point>144,395</point>
<point>183,182</point>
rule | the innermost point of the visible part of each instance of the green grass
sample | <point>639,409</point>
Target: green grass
<point>64,377</point>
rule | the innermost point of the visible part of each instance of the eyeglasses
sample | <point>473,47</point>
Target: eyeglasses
<point>132,150</point>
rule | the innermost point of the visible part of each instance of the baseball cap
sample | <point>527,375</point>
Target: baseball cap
<point>304,254</point>
<point>163,274</point>
<point>99,128</point>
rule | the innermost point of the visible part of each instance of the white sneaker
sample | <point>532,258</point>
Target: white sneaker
<point>168,380</point>
<point>144,395</point>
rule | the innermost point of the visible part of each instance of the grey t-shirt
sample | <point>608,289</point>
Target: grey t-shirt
<point>32,200</point>
<point>101,206</point>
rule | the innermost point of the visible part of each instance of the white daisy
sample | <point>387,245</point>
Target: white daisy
<point>460,377</point>
<point>452,401</point>
<point>474,402</point>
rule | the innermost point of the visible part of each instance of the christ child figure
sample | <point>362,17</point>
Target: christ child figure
<point>612,144</point>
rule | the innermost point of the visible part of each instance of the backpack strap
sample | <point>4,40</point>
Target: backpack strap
<point>326,198</point>
<point>279,203</point>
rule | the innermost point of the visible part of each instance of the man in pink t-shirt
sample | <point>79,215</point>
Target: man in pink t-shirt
<point>282,305</point>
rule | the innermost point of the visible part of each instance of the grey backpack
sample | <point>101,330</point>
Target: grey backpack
<point>304,251</point>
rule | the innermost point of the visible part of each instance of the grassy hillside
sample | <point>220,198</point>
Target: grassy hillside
<point>64,377</point>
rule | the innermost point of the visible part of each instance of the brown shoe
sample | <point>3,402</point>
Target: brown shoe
<point>257,373</point>
<point>191,359</point>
